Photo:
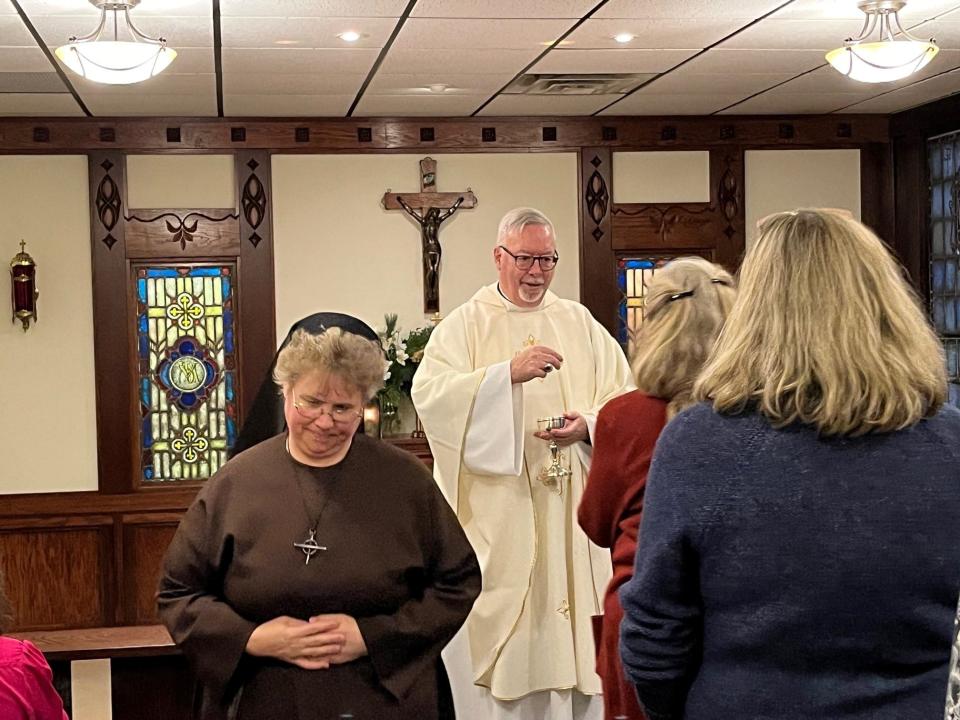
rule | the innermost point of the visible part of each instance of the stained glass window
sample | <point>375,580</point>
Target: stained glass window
<point>943,156</point>
<point>187,369</point>
<point>633,276</point>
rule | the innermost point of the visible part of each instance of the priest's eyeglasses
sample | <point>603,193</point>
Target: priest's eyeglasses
<point>525,262</point>
<point>312,409</point>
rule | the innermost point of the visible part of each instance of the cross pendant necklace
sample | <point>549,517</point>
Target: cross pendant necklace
<point>310,546</point>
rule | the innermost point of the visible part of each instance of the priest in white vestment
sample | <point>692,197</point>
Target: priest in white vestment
<point>512,354</point>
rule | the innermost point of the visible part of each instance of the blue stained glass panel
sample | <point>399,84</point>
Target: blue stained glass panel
<point>633,275</point>
<point>942,153</point>
<point>188,367</point>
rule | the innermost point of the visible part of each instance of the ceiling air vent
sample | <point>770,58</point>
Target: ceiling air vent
<point>576,84</point>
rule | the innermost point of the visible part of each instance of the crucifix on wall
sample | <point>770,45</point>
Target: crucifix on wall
<point>429,209</point>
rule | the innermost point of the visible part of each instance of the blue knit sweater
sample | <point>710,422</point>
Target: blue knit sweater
<point>782,576</point>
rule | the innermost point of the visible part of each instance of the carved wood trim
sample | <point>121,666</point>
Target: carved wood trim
<point>115,418</point>
<point>256,323</point>
<point>199,233</point>
<point>467,134</point>
<point>598,278</point>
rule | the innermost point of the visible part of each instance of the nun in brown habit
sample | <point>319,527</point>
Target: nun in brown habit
<point>319,573</point>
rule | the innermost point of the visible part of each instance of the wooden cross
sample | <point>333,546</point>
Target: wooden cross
<point>430,208</point>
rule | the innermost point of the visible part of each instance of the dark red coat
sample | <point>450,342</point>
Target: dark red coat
<point>627,430</point>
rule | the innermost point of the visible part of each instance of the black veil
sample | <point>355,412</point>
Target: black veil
<point>266,415</point>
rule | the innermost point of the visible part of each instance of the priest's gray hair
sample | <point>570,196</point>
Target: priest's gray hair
<point>518,218</point>
<point>353,359</point>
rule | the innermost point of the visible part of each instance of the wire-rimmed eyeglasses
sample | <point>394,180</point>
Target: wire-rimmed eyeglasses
<point>312,409</point>
<point>525,262</point>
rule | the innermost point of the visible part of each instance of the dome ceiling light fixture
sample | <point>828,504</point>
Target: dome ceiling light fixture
<point>110,59</point>
<point>896,55</point>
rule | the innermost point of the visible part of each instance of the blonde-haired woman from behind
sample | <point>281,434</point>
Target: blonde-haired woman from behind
<point>686,305</point>
<point>796,555</point>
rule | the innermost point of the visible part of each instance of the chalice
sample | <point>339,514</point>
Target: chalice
<point>555,473</point>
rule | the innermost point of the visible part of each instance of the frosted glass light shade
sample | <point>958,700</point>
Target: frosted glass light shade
<point>116,62</point>
<point>882,61</point>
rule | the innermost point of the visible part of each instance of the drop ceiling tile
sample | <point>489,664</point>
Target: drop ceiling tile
<point>570,9</point>
<point>190,61</point>
<point>408,84</point>
<point>722,60</point>
<point>292,84</point>
<point>784,103</point>
<point>180,32</point>
<point>686,9</point>
<point>506,105</point>
<point>164,84</point>
<point>479,62</point>
<point>947,34</point>
<point>466,35</point>
<point>195,8</point>
<point>913,12</point>
<point>13,33</point>
<point>27,104</point>
<point>910,96</point>
<point>248,32</point>
<point>774,34</point>
<point>295,60</point>
<point>653,33</point>
<point>611,61</point>
<point>644,103</point>
<point>419,105</point>
<point>31,82</point>
<point>107,104</point>
<point>23,59</point>
<point>312,8</point>
<point>687,83</point>
<point>287,105</point>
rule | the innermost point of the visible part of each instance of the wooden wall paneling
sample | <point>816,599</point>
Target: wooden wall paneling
<point>59,571</point>
<point>145,541</point>
<point>686,226</point>
<point>112,351</point>
<point>256,326</point>
<point>877,201</point>
<point>911,221</point>
<point>203,233</point>
<point>598,269</point>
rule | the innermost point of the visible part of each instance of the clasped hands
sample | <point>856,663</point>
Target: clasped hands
<point>313,644</point>
<point>538,361</point>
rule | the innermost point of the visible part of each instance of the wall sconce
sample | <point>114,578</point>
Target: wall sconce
<point>371,418</point>
<point>23,277</point>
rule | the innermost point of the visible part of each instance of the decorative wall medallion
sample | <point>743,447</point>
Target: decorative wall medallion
<point>188,373</point>
<point>728,194</point>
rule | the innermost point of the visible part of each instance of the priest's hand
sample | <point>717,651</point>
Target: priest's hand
<point>573,430</point>
<point>309,645</point>
<point>353,646</point>
<point>534,362</point>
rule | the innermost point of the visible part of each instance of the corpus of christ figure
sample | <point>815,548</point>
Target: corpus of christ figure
<point>429,209</point>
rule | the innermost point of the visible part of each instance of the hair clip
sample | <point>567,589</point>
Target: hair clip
<point>719,281</point>
<point>680,295</point>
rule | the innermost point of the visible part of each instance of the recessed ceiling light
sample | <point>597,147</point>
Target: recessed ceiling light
<point>437,87</point>
<point>623,37</point>
<point>549,43</point>
<point>286,42</point>
<point>349,36</point>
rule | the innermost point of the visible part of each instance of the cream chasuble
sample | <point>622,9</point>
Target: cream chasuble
<point>530,629</point>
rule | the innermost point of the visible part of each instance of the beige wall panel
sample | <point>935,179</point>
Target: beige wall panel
<point>90,689</point>
<point>48,438</point>
<point>668,176</point>
<point>337,249</point>
<point>778,180</point>
<point>180,181</point>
